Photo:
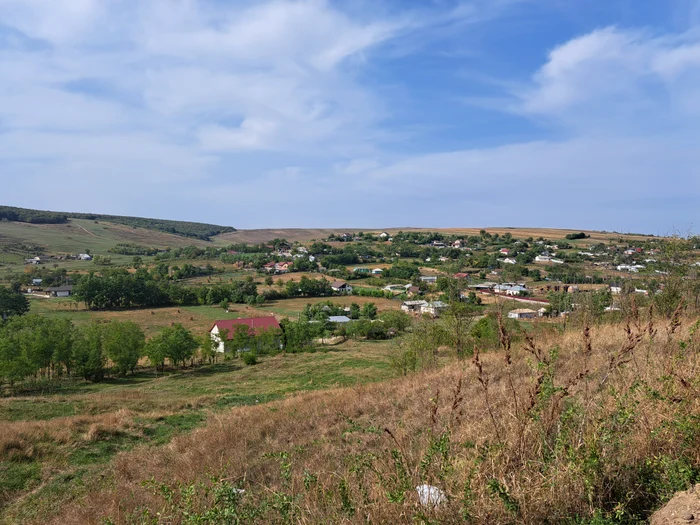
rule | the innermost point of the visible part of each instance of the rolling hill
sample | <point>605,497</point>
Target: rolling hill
<point>187,229</point>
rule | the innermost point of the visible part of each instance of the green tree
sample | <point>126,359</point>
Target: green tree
<point>14,366</point>
<point>396,319</point>
<point>12,303</point>
<point>173,342</point>
<point>88,355</point>
<point>123,343</point>
<point>369,311</point>
<point>207,348</point>
<point>354,311</point>
<point>241,339</point>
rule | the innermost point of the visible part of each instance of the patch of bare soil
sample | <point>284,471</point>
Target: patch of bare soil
<point>683,509</point>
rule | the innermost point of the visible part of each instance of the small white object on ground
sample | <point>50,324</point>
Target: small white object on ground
<point>430,496</point>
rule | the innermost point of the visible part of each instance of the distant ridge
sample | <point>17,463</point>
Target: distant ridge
<point>187,229</point>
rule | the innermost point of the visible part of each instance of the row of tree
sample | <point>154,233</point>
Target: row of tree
<point>44,348</point>
<point>120,289</point>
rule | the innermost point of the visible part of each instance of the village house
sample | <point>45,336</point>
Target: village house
<point>504,251</point>
<point>430,279</point>
<point>522,313</point>
<point>413,307</point>
<point>255,325</point>
<point>434,308</point>
<point>383,235</point>
<point>509,260</point>
<point>84,257</point>
<point>377,271</point>
<point>412,290</point>
<point>510,289</point>
<point>341,287</point>
<point>59,291</point>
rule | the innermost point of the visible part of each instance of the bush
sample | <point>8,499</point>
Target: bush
<point>250,358</point>
<point>377,332</point>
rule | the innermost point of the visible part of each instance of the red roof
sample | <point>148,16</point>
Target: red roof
<point>256,324</point>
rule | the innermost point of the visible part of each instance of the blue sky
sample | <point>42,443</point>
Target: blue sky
<point>367,114</point>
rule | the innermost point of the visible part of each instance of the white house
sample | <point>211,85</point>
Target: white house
<point>383,235</point>
<point>377,271</point>
<point>543,258</point>
<point>341,287</point>
<point>509,260</point>
<point>59,291</point>
<point>413,306</point>
<point>430,279</point>
<point>522,313</point>
<point>84,257</point>
<point>254,325</point>
<point>435,308</point>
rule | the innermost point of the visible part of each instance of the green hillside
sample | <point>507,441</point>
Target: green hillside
<point>188,229</point>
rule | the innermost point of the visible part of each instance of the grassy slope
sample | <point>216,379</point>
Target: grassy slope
<point>53,445</point>
<point>77,235</point>
<point>607,444</point>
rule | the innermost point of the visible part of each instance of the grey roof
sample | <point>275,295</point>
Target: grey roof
<point>68,288</point>
<point>339,319</point>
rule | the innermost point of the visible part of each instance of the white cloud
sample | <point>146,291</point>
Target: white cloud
<point>269,99</point>
<point>617,78</point>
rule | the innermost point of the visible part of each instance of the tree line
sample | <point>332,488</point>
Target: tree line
<point>120,289</point>
<point>44,348</point>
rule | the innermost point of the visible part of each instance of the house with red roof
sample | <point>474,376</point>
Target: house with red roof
<point>254,325</point>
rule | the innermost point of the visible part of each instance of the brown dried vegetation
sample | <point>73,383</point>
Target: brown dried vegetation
<point>599,424</point>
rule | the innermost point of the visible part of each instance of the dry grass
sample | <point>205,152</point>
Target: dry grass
<point>579,422</point>
<point>66,439</point>
<point>305,235</point>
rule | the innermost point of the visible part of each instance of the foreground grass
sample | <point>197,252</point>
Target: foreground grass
<point>592,427</point>
<point>57,444</point>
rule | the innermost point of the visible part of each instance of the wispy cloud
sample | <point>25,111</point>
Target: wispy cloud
<point>293,103</point>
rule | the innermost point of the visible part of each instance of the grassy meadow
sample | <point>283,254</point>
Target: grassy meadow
<point>592,426</point>
<point>58,442</point>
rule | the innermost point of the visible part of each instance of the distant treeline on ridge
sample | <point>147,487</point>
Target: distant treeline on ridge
<point>188,229</point>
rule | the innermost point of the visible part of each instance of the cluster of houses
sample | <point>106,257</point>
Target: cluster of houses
<point>420,307</point>
<point>513,289</point>
<point>44,259</point>
<point>278,267</point>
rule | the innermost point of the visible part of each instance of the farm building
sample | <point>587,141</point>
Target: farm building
<point>341,287</point>
<point>522,313</point>
<point>256,325</point>
<point>59,291</point>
